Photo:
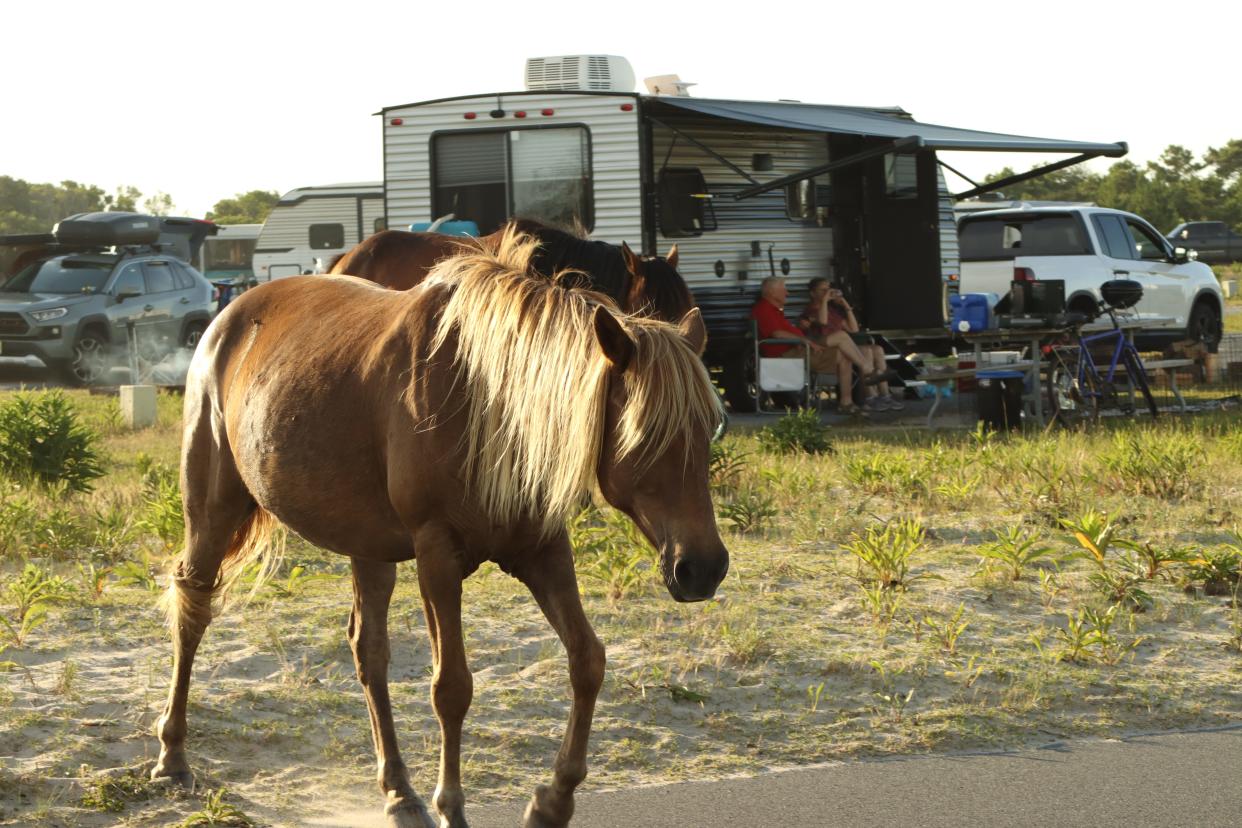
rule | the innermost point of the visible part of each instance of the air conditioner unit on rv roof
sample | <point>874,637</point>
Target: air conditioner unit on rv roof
<point>580,73</point>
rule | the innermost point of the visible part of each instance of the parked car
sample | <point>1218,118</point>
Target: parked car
<point>1214,241</point>
<point>1087,246</point>
<point>72,310</point>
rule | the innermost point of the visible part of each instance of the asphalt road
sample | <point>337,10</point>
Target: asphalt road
<point>1181,779</point>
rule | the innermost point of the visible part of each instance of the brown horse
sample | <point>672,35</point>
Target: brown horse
<point>458,422</point>
<point>649,285</point>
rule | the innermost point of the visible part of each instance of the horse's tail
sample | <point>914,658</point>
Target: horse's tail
<point>190,602</point>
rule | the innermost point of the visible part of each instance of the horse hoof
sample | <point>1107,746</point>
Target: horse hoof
<point>407,814</point>
<point>181,779</point>
<point>534,819</point>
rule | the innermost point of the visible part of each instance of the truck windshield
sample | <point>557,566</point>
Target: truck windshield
<point>1004,237</point>
<point>62,275</point>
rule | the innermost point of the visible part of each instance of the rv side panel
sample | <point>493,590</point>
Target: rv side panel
<point>762,218</point>
<point>614,151</point>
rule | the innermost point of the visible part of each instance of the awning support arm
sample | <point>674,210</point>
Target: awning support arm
<point>1019,177</point>
<point>912,143</point>
<point>958,173</point>
<point>703,147</point>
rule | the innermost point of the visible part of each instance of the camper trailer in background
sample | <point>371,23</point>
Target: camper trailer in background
<point>228,256</point>
<point>310,226</point>
<point>744,189</point>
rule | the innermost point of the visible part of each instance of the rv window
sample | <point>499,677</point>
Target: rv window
<point>327,236</point>
<point>800,199</point>
<point>539,173</point>
<point>685,203</point>
<point>901,176</point>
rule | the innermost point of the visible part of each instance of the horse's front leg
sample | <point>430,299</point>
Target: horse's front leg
<point>440,573</point>
<point>368,637</point>
<point>549,574</point>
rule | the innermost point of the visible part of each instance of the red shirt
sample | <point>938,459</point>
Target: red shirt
<point>836,321</point>
<point>771,319</point>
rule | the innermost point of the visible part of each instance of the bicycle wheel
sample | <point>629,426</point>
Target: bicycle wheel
<point>1072,402</point>
<point>1134,365</point>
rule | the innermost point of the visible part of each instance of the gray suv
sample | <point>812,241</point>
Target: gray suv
<point>74,311</point>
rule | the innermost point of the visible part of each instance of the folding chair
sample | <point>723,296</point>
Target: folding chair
<point>786,374</point>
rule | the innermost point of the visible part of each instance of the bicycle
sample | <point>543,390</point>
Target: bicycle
<point>1077,388</point>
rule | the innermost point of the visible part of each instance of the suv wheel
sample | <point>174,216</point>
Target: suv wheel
<point>193,333</point>
<point>91,359</point>
<point>1204,325</point>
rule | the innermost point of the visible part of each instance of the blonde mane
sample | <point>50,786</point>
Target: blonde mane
<point>537,381</point>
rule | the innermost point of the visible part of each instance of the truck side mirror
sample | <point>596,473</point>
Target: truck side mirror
<point>1181,255</point>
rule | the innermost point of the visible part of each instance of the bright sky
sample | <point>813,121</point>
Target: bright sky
<point>206,100</point>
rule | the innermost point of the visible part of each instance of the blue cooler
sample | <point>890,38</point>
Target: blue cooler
<point>456,227</point>
<point>971,311</point>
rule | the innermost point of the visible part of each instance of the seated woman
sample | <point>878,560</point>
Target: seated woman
<point>829,319</point>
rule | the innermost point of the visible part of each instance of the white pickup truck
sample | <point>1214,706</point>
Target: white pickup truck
<point>1087,246</point>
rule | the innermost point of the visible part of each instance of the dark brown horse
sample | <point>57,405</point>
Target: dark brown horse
<point>457,422</point>
<point>649,285</point>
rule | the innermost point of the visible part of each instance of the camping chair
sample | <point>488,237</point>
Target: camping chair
<point>786,374</point>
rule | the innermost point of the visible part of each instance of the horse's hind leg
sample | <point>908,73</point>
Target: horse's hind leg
<point>440,575</point>
<point>368,636</point>
<point>549,574</point>
<point>217,508</point>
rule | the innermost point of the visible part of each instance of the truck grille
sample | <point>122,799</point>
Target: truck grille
<point>12,324</point>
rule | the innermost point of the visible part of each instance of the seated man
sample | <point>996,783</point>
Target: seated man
<point>769,316</point>
<point>828,318</point>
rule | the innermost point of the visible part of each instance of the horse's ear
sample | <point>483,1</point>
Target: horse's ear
<point>671,258</point>
<point>615,342</point>
<point>632,263</point>
<point>692,328</point>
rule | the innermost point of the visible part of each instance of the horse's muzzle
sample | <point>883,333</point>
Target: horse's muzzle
<point>696,576</point>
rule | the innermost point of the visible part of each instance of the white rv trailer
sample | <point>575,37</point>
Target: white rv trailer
<point>745,189</point>
<point>310,226</point>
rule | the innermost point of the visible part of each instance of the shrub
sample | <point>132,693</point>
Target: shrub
<point>801,431</point>
<point>42,440</point>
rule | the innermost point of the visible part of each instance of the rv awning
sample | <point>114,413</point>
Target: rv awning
<point>907,134</point>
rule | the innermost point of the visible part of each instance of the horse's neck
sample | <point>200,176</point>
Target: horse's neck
<point>603,263</point>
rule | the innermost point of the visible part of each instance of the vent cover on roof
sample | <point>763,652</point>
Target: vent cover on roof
<point>580,73</point>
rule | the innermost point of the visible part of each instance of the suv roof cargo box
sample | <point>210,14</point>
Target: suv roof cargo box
<point>107,229</point>
<point>184,236</point>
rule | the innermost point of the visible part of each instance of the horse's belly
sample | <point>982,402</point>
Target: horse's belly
<point>310,455</point>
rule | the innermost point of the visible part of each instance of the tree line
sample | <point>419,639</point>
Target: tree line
<point>1176,187</point>
<point>27,207</point>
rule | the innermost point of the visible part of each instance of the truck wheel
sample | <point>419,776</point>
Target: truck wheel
<point>91,361</point>
<point>1204,326</point>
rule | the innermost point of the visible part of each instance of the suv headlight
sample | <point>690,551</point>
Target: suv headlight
<point>49,315</point>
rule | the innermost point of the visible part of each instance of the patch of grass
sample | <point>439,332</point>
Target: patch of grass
<point>797,432</point>
<point>113,794</point>
<point>217,812</point>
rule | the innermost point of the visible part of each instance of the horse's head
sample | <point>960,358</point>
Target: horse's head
<point>661,412</point>
<point>656,289</point>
